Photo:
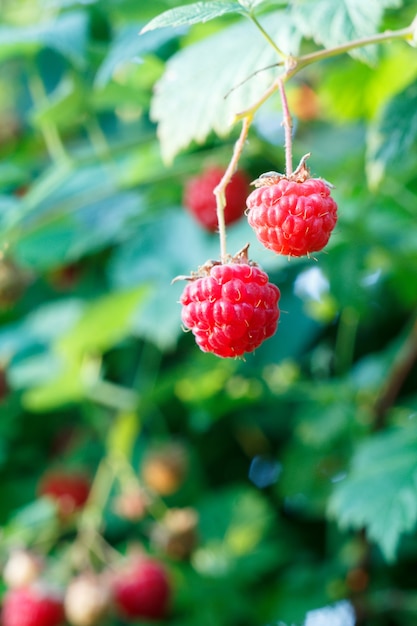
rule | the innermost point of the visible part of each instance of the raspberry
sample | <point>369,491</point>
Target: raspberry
<point>142,590</point>
<point>22,568</point>
<point>232,309</point>
<point>175,534</point>
<point>165,467</point>
<point>31,606</point>
<point>292,215</point>
<point>199,198</point>
<point>69,490</point>
<point>87,600</point>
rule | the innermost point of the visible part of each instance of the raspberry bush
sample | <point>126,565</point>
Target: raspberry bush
<point>143,479</point>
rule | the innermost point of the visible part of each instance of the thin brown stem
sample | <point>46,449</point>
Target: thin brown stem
<point>287,123</point>
<point>220,190</point>
<point>406,358</point>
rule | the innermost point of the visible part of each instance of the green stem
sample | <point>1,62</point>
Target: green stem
<point>267,37</point>
<point>295,64</point>
<point>298,64</point>
<point>48,129</point>
<point>345,340</point>
<point>220,190</point>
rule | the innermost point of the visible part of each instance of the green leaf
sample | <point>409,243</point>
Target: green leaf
<point>129,47</point>
<point>103,323</point>
<point>67,35</point>
<point>122,434</point>
<point>393,135</point>
<point>71,212</point>
<point>332,23</point>
<point>64,106</point>
<point>194,95</point>
<point>251,4</point>
<point>380,492</point>
<point>193,14</point>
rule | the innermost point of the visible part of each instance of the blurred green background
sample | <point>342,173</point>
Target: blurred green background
<point>301,461</point>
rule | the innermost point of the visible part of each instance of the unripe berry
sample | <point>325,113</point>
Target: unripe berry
<point>87,601</point>
<point>199,198</point>
<point>164,467</point>
<point>175,535</point>
<point>22,568</point>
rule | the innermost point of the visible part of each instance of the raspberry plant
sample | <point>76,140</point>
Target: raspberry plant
<point>273,486</point>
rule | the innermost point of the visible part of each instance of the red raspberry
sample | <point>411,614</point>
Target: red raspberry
<point>232,309</point>
<point>292,218</point>
<point>199,198</point>
<point>142,590</point>
<point>70,490</point>
<point>31,606</point>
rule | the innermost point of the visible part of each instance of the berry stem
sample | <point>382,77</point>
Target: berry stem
<point>407,34</point>
<point>267,37</point>
<point>287,123</point>
<point>401,367</point>
<point>220,190</point>
<point>295,64</point>
<point>51,136</point>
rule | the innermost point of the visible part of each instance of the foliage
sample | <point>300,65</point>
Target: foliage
<point>300,460</point>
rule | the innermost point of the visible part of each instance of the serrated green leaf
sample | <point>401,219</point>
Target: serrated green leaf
<point>380,492</point>
<point>250,4</point>
<point>193,14</point>
<point>393,135</point>
<point>332,23</point>
<point>194,96</point>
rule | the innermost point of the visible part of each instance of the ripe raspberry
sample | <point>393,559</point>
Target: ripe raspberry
<point>201,202</point>
<point>32,606</point>
<point>232,309</point>
<point>69,490</point>
<point>292,215</point>
<point>142,590</point>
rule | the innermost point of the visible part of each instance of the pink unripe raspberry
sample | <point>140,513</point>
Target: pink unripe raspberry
<point>200,200</point>
<point>232,309</point>
<point>293,218</point>
<point>32,606</point>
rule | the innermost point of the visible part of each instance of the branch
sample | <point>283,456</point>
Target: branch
<point>405,360</point>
